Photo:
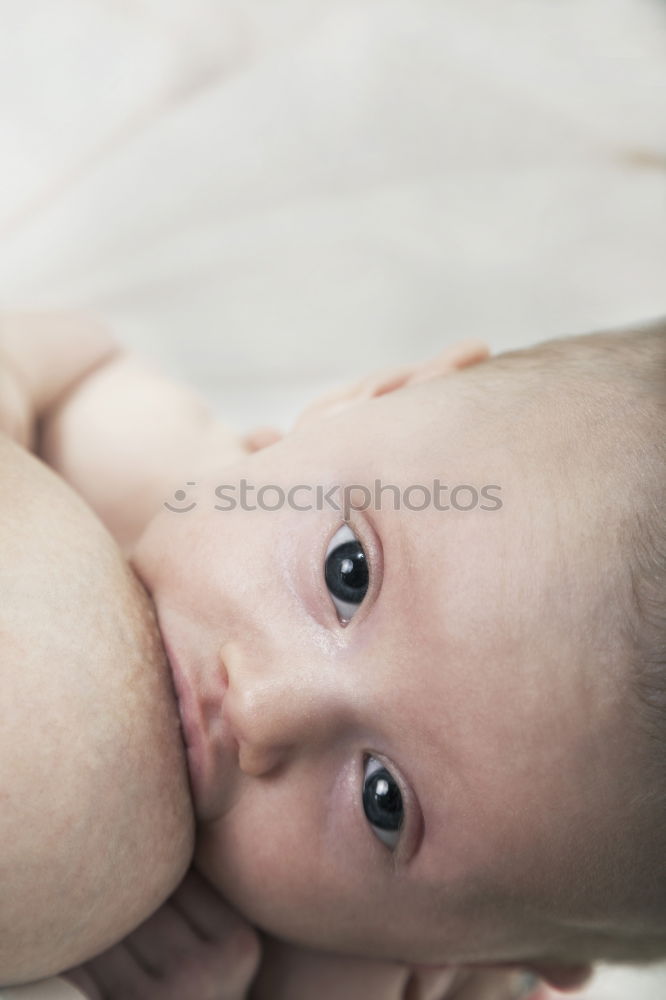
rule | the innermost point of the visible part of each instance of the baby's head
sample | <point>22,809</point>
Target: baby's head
<point>95,821</point>
<point>606,394</point>
<point>431,727</point>
<point>593,410</point>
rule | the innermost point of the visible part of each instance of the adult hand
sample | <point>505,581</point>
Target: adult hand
<point>288,972</point>
<point>194,946</point>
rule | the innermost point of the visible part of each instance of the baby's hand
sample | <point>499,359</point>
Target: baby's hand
<point>261,437</point>
<point>451,359</point>
<point>195,946</point>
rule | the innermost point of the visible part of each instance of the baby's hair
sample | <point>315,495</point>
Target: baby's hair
<point>615,381</point>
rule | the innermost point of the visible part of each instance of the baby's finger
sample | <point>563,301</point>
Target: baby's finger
<point>452,358</point>
<point>261,437</point>
<point>118,975</point>
<point>463,354</point>
<point>342,396</point>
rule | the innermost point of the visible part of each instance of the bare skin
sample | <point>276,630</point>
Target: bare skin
<point>291,746</point>
<point>195,940</point>
<point>88,736</point>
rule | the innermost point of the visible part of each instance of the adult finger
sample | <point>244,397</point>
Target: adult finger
<point>162,941</point>
<point>498,985</point>
<point>119,975</point>
<point>235,942</point>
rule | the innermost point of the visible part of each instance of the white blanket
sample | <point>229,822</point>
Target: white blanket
<point>277,196</point>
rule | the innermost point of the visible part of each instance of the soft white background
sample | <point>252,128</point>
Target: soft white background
<point>275,196</point>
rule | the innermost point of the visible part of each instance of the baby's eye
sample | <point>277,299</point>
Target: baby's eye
<point>382,802</point>
<point>346,572</point>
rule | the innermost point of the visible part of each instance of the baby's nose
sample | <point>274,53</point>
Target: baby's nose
<point>275,712</point>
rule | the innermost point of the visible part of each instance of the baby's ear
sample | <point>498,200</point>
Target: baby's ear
<point>451,359</point>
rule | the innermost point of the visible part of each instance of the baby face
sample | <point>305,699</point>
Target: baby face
<point>95,825</point>
<point>400,740</point>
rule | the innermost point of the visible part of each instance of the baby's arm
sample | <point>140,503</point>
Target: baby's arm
<point>119,432</point>
<point>42,358</point>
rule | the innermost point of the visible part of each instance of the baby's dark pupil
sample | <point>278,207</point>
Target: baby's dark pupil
<point>346,572</point>
<point>382,801</point>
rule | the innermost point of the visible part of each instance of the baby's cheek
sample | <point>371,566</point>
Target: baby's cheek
<point>264,865</point>
<point>250,861</point>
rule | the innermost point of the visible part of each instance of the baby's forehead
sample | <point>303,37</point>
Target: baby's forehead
<point>409,431</point>
<point>482,499</point>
